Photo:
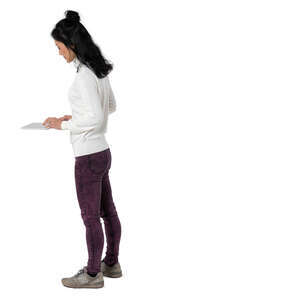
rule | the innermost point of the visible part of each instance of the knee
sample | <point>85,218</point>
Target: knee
<point>108,212</point>
<point>90,220</point>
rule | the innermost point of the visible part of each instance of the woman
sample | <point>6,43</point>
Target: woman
<point>92,100</point>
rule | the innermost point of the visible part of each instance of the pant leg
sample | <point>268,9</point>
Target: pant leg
<point>88,177</point>
<point>111,220</point>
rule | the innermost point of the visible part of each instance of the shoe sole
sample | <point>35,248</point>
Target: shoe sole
<point>86,286</point>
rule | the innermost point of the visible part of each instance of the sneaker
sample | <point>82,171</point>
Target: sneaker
<point>114,271</point>
<point>83,280</point>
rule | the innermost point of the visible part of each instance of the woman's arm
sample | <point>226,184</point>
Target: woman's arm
<point>93,114</point>
<point>112,101</point>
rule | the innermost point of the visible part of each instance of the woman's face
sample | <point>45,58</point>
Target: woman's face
<point>67,53</point>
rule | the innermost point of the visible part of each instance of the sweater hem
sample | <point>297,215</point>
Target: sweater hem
<point>89,146</point>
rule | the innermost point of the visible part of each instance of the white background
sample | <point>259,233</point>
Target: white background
<point>205,149</point>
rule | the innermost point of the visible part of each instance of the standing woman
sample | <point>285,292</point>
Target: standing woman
<point>92,100</point>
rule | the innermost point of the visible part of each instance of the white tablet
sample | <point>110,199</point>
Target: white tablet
<point>36,126</point>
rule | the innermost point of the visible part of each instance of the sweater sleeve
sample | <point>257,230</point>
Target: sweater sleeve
<point>93,115</point>
<point>112,100</point>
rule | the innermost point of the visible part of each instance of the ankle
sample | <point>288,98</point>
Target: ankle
<point>92,274</point>
<point>110,261</point>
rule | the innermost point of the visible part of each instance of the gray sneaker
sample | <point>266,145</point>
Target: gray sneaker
<point>114,271</point>
<point>83,280</point>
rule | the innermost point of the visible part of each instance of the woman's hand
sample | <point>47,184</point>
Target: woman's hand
<point>53,123</point>
<point>65,118</point>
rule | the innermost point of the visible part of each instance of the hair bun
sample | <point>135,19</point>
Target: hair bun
<point>72,16</point>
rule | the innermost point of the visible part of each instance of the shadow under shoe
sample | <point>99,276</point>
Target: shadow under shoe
<point>113,271</point>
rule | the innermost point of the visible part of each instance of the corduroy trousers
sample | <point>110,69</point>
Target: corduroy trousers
<point>95,200</point>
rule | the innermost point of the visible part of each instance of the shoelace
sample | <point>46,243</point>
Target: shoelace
<point>80,272</point>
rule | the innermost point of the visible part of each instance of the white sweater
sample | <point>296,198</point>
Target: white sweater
<point>91,100</point>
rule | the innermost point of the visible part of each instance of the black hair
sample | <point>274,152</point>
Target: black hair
<point>74,35</point>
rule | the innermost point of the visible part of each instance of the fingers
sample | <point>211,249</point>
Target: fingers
<point>49,121</point>
<point>46,121</point>
<point>66,117</point>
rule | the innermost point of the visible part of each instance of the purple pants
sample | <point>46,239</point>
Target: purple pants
<point>95,200</point>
